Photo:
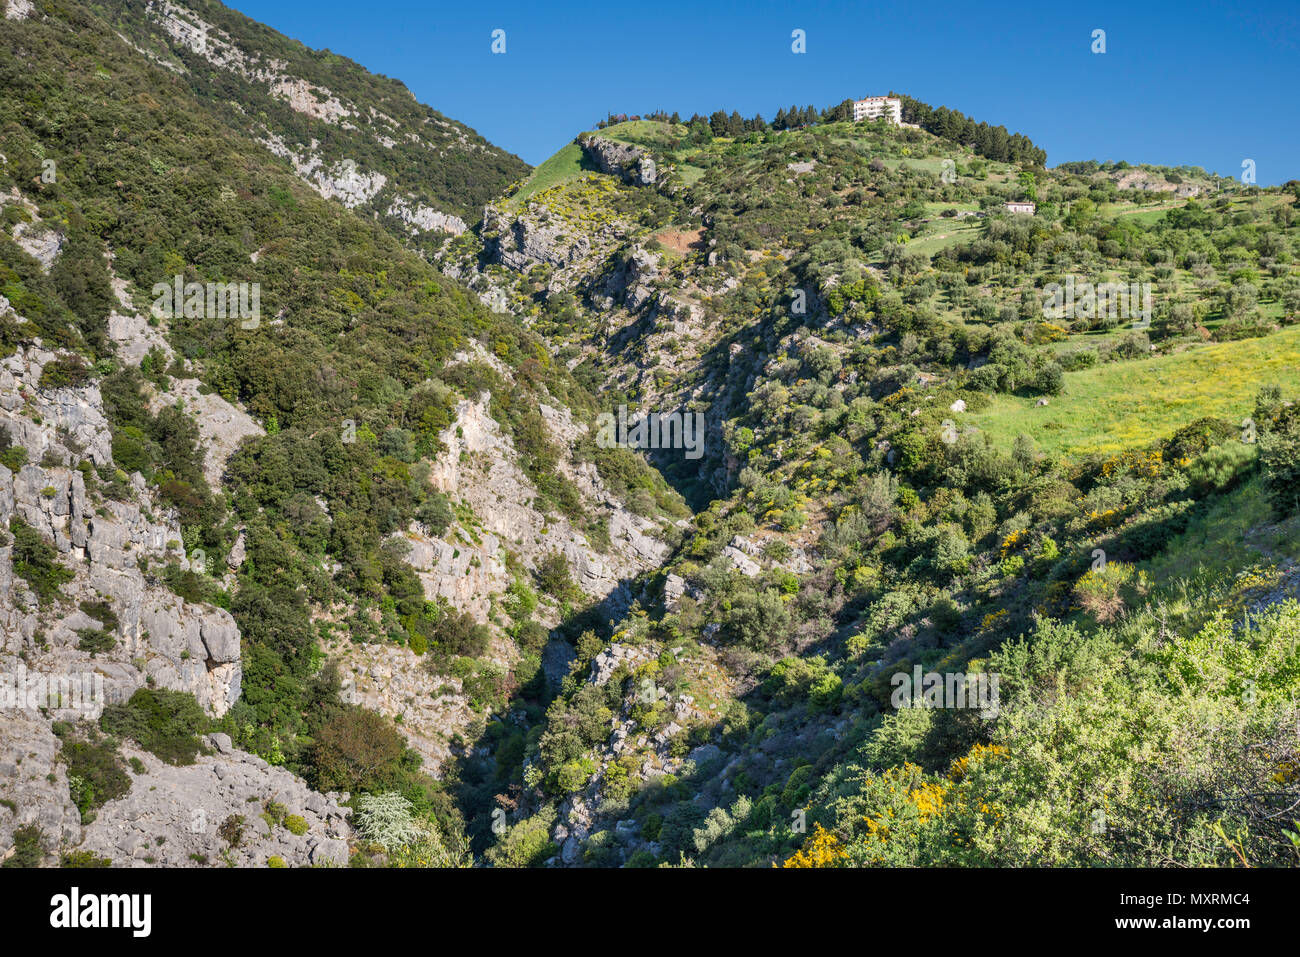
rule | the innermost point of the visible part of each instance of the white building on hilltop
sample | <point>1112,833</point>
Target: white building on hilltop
<point>874,106</point>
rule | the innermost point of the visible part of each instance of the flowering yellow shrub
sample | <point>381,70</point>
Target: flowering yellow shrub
<point>1107,519</point>
<point>1144,463</point>
<point>993,619</point>
<point>821,849</point>
<point>928,798</point>
<point>1010,541</point>
<point>973,757</point>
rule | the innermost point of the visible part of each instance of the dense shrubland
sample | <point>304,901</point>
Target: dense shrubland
<point>1130,598</point>
<point>874,449</point>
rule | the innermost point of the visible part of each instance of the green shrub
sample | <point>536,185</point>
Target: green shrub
<point>67,371</point>
<point>231,830</point>
<point>102,612</point>
<point>457,634</point>
<point>358,750</point>
<point>275,813</point>
<point>34,561</point>
<point>1279,455</point>
<point>1221,468</point>
<point>29,847</point>
<point>553,577</point>
<point>296,825</point>
<point>83,859</point>
<point>525,844</point>
<point>95,640</point>
<point>165,723</point>
<point>96,774</point>
<point>14,458</point>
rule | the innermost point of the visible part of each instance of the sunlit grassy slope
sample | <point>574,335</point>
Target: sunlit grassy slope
<point>1121,405</point>
<point>563,166</point>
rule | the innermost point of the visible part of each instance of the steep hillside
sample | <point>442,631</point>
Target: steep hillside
<point>351,135</point>
<point>923,455</point>
<point>252,447</point>
<point>965,532</point>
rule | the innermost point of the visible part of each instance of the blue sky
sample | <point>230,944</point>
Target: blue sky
<point>1199,83</point>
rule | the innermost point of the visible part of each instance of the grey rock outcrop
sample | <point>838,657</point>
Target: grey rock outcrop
<point>187,806</point>
<point>631,163</point>
<point>479,468</point>
<point>107,544</point>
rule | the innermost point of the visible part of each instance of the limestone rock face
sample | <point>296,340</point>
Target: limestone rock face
<point>76,413</point>
<point>605,663</point>
<point>102,541</point>
<point>188,805</point>
<point>523,242</point>
<point>619,159</point>
<point>18,9</point>
<point>421,218</point>
<point>465,573</point>
<point>222,426</point>
<point>28,761</point>
<point>330,146</point>
<point>39,240</point>
<point>479,468</point>
<point>430,708</point>
<point>743,563</point>
<point>49,673</point>
<point>634,282</point>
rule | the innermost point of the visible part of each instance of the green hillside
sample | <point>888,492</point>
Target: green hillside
<point>1125,405</point>
<point>514,644</point>
<point>915,465</point>
<point>348,370</point>
<point>322,107</point>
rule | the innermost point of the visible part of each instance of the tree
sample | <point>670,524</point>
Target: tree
<point>553,576</point>
<point>1023,453</point>
<point>1279,455</point>
<point>386,819</point>
<point>358,750</point>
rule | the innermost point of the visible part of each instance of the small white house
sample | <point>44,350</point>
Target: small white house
<point>1020,207</point>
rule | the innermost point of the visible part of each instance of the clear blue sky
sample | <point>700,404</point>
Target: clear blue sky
<point>1202,83</point>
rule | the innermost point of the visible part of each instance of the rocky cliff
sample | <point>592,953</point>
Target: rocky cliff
<point>112,626</point>
<point>367,143</point>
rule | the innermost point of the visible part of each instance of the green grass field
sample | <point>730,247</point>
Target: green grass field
<point>562,167</point>
<point>948,232</point>
<point>1122,405</point>
<point>690,174</point>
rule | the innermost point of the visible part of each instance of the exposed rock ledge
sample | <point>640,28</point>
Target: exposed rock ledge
<point>631,163</point>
